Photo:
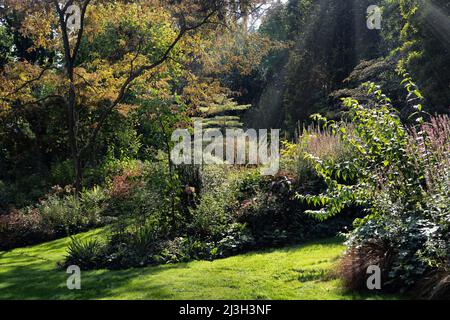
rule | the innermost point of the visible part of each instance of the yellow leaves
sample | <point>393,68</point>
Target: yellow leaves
<point>234,50</point>
<point>4,108</point>
<point>17,74</point>
<point>24,83</point>
<point>23,76</point>
<point>123,36</point>
<point>122,43</point>
<point>203,93</point>
<point>139,14</point>
<point>93,24</point>
<point>98,84</point>
<point>38,26</point>
<point>101,80</point>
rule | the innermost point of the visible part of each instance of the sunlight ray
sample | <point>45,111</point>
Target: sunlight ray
<point>439,22</point>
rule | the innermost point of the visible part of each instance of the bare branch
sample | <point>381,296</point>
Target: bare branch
<point>27,83</point>
<point>52,96</point>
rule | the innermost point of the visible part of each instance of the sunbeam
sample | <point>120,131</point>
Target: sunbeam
<point>438,21</point>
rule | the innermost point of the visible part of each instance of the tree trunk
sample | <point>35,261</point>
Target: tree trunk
<point>73,141</point>
<point>72,113</point>
<point>244,8</point>
<point>173,191</point>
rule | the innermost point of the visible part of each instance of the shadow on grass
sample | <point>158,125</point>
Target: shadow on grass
<point>40,280</point>
<point>32,274</point>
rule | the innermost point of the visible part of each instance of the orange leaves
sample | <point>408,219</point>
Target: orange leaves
<point>125,109</point>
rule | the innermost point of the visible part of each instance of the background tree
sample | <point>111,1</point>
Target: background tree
<point>95,70</point>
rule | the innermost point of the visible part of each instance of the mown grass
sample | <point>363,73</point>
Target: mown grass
<point>293,273</point>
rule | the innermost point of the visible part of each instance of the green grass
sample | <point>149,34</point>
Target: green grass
<point>293,273</point>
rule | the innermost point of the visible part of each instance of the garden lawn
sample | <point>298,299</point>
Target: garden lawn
<point>293,273</point>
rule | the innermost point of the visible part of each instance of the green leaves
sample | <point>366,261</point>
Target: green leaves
<point>379,142</point>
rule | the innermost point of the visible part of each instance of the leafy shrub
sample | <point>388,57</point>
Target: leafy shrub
<point>234,240</point>
<point>210,216</point>
<point>85,254</point>
<point>237,238</point>
<point>218,197</point>
<point>133,248</point>
<point>275,218</point>
<point>249,183</point>
<point>402,181</point>
<point>18,229</point>
<point>69,214</point>
<point>415,226</point>
<point>217,225</point>
<point>109,168</point>
<point>62,173</point>
<point>184,249</point>
<point>317,142</point>
<point>144,234</point>
<point>63,214</point>
<point>57,215</point>
<point>93,203</point>
<point>121,192</point>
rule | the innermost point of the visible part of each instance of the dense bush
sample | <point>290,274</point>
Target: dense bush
<point>58,215</point>
<point>401,177</point>
<point>415,227</point>
<point>18,229</point>
<point>132,191</point>
<point>213,214</point>
<point>319,142</point>
<point>24,191</point>
<point>134,247</point>
<point>85,254</point>
<point>275,218</point>
<point>232,210</point>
